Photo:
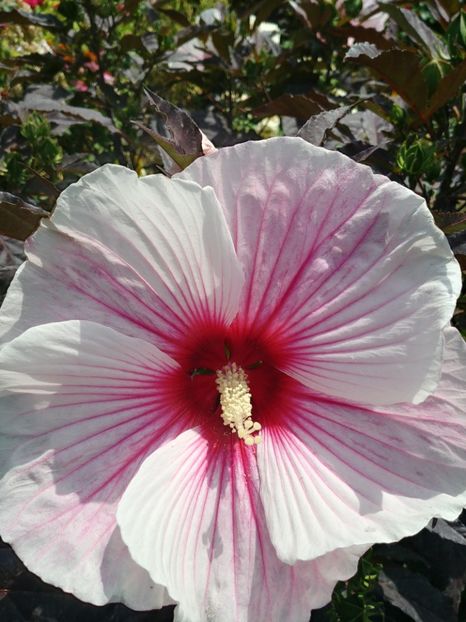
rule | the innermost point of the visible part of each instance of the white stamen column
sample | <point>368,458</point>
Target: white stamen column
<point>235,400</point>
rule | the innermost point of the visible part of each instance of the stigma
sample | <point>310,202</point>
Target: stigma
<point>235,400</point>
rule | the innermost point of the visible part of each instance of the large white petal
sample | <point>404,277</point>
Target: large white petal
<point>193,518</point>
<point>346,268</point>
<point>151,257</point>
<point>337,474</point>
<point>81,407</point>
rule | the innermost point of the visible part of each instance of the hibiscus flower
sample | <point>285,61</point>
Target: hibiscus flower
<point>219,389</point>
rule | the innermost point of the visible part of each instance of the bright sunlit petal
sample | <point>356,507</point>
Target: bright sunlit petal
<point>337,474</point>
<point>345,266</point>
<point>82,407</point>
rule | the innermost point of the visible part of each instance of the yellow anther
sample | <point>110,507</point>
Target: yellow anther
<point>235,400</point>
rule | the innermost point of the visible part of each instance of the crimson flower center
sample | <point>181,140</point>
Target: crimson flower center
<point>230,381</point>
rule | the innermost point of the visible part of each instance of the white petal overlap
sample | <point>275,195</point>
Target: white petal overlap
<point>192,517</point>
<point>347,268</point>
<point>82,406</point>
<point>337,474</point>
<point>150,257</point>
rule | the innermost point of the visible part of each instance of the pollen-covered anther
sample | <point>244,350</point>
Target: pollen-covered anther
<point>235,400</point>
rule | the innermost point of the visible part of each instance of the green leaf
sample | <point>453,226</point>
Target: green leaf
<point>417,157</point>
<point>353,7</point>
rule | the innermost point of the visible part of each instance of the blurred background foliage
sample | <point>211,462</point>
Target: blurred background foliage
<point>381,81</point>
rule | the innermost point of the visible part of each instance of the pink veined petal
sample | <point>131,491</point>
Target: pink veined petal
<point>347,268</point>
<point>192,517</point>
<point>82,406</point>
<point>338,474</point>
<point>147,256</point>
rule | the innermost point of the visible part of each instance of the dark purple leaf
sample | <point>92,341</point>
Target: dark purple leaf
<point>458,242</point>
<point>23,18</point>
<point>18,219</point>
<point>131,41</point>
<point>55,108</point>
<point>450,222</point>
<point>10,566</point>
<point>77,164</point>
<point>416,29</point>
<point>367,126</point>
<point>415,596</point>
<point>223,41</point>
<point>449,8</point>
<point>11,257</point>
<point>25,598</point>
<point>316,128</point>
<point>150,42</point>
<point>378,158</point>
<point>362,34</point>
<point>299,106</point>
<point>215,126</point>
<point>447,88</point>
<point>454,532</point>
<point>443,545</point>
<point>314,13</point>
<point>401,69</point>
<point>175,16</point>
<point>262,11</point>
<point>461,258</point>
<point>184,141</point>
